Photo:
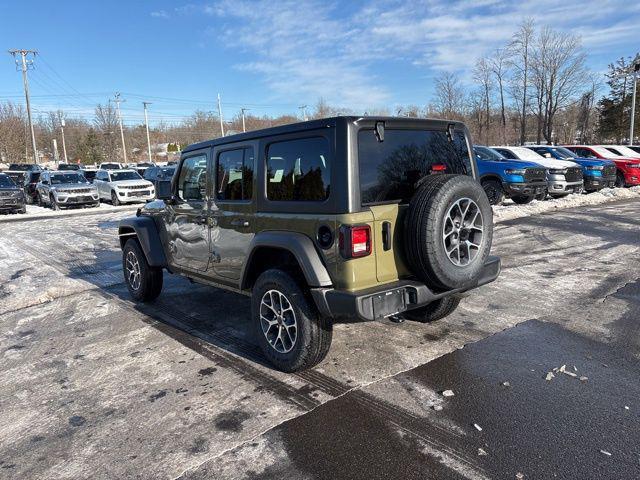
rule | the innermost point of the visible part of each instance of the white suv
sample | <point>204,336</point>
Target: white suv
<point>123,186</point>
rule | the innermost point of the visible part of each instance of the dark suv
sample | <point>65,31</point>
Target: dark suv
<point>335,219</point>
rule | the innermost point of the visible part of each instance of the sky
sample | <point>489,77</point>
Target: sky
<point>275,56</point>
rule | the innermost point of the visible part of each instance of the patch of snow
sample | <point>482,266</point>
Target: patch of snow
<point>510,210</point>
<point>35,212</point>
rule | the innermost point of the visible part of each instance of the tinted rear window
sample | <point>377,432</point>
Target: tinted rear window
<point>389,170</point>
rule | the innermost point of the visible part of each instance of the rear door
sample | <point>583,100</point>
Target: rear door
<point>232,208</point>
<point>187,222</point>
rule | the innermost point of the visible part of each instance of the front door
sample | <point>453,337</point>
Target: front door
<point>232,209</point>
<point>187,222</point>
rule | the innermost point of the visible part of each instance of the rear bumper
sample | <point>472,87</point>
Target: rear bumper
<point>379,302</point>
<point>531,188</point>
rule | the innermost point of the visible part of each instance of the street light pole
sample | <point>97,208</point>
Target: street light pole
<point>64,145</point>
<point>146,124</point>
<point>242,110</point>
<point>25,66</point>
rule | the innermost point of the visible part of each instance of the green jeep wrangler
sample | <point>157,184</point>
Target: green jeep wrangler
<point>336,219</point>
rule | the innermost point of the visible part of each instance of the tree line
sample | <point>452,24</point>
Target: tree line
<point>536,88</point>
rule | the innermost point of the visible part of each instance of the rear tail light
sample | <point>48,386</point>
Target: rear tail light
<point>355,242</point>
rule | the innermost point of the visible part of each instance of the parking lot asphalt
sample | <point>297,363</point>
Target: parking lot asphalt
<point>95,386</point>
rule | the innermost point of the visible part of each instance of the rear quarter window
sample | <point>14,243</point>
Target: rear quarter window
<point>390,170</point>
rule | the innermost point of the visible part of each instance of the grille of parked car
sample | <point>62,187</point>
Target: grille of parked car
<point>535,175</point>
<point>7,194</point>
<point>609,171</point>
<point>574,174</point>
<point>81,190</point>
<point>134,187</point>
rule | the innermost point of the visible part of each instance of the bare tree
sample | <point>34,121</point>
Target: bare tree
<point>106,123</point>
<point>520,48</point>
<point>449,96</point>
<point>498,63</point>
<point>482,75</point>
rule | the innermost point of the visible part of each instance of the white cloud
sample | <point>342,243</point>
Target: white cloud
<point>313,48</point>
<point>160,14</point>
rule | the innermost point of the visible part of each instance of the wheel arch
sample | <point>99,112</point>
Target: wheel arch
<point>288,249</point>
<point>490,176</point>
<point>144,230</point>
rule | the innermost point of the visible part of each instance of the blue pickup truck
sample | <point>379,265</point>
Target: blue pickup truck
<point>502,178</point>
<point>597,173</point>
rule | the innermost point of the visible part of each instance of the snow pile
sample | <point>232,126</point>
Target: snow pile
<point>35,212</point>
<point>509,210</point>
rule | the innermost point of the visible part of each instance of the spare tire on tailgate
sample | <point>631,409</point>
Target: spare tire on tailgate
<point>448,231</point>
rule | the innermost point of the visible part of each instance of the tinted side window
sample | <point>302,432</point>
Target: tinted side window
<point>507,153</point>
<point>149,173</point>
<point>192,183</point>
<point>235,174</point>
<point>299,170</point>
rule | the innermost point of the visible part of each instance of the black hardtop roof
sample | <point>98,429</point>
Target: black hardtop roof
<point>321,123</point>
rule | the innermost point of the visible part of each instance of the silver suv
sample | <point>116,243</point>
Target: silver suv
<point>65,189</point>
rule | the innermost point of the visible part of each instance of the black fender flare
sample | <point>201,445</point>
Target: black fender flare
<point>491,176</point>
<point>300,246</point>
<point>145,230</point>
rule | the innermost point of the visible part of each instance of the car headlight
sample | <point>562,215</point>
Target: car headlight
<point>595,167</point>
<point>515,171</point>
<point>557,171</point>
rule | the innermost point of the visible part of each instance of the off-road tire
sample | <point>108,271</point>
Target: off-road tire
<point>313,332</point>
<point>114,199</point>
<point>424,226</point>
<point>620,181</point>
<point>151,278</point>
<point>434,311</point>
<point>493,189</point>
<point>523,199</point>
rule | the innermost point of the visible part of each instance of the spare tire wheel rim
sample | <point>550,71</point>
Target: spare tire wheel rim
<point>462,232</point>
<point>278,321</point>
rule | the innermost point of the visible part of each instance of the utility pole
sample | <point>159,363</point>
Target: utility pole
<point>25,65</point>
<point>304,112</point>
<point>124,147</point>
<point>64,145</point>
<point>146,124</point>
<point>242,110</point>
<point>636,69</point>
<point>220,116</point>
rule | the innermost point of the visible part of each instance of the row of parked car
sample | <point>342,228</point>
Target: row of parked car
<point>537,171</point>
<point>81,186</point>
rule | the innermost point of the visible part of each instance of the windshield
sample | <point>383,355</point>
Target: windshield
<point>390,170</point>
<point>6,182</point>
<point>626,151</point>
<point>604,152</point>
<point>60,178</point>
<point>125,175</point>
<point>110,166</point>
<point>486,153</point>
<point>564,153</point>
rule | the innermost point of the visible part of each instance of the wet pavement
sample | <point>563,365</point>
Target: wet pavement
<point>94,386</point>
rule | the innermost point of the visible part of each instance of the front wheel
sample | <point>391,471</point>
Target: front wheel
<point>494,191</point>
<point>522,199</point>
<point>53,203</point>
<point>114,199</point>
<point>541,196</point>
<point>144,282</point>
<point>290,331</point>
<point>434,311</point>
<point>620,182</point>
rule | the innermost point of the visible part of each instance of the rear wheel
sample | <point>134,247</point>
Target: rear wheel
<point>434,311</point>
<point>494,191</point>
<point>289,329</point>
<point>522,199</point>
<point>620,182</point>
<point>144,282</point>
